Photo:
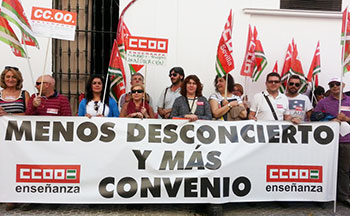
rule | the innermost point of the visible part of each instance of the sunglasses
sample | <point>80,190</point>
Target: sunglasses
<point>96,106</point>
<point>39,83</point>
<point>137,91</point>
<point>273,81</point>
<point>331,85</point>
<point>173,74</point>
<point>10,67</point>
<point>294,84</point>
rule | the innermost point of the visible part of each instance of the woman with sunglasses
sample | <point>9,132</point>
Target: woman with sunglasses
<point>229,108</point>
<point>191,104</point>
<point>92,104</point>
<point>13,100</point>
<point>137,107</point>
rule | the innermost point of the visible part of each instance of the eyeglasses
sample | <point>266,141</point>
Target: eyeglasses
<point>273,81</point>
<point>137,91</point>
<point>10,67</point>
<point>294,84</point>
<point>39,83</point>
<point>173,74</point>
<point>331,85</point>
<point>94,83</point>
<point>96,106</point>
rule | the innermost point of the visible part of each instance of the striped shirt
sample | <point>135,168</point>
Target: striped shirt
<point>15,105</point>
<point>55,105</point>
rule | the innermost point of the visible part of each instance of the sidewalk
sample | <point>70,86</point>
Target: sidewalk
<point>269,208</point>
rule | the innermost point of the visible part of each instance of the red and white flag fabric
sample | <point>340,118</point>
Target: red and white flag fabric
<point>275,68</point>
<point>260,58</point>
<point>12,10</point>
<point>255,60</point>
<point>315,67</point>
<point>117,73</point>
<point>249,57</point>
<point>224,58</point>
<point>345,40</point>
<point>8,36</point>
<point>292,66</point>
<point>122,35</point>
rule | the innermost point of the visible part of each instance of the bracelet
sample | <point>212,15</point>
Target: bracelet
<point>229,105</point>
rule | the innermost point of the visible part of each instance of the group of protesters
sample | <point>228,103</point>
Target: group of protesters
<point>183,99</point>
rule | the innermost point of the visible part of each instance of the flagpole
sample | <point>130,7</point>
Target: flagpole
<point>30,68</point>
<point>226,83</point>
<point>104,93</point>
<point>45,61</point>
<point>144,86</point>
<point>342,60</point>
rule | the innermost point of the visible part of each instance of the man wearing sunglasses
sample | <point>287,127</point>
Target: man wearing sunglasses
<point>330,105</point>
<point>136,78</point>
<point>299,105</point>
<point>168,96</point>
<point>270,104</point>
<point>50,102</point>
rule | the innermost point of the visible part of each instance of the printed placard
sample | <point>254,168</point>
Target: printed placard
<point>54,23</point>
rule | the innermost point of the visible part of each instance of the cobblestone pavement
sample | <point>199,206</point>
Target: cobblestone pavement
<point>295,209</point>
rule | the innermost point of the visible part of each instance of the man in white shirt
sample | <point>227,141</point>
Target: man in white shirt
<point>168,95</point>
<point>299,105</point>
<point>279,108</point>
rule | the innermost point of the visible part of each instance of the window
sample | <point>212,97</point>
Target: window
<point>320,5</point>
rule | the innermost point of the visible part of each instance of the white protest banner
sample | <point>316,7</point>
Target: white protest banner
<point>53,23</point>
<point>146,50</point>
<point>120,160</point>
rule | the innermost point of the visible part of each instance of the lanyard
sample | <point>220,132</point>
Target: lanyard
<point>193,101</point>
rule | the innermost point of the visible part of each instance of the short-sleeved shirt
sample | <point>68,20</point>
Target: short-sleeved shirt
<point>264,113</point>
<point>299,106</point>
<point>330,105</point>
<point>170,96</point>
<point>219,98</point>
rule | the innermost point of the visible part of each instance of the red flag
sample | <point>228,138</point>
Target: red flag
<point>260,58</point>
<point>224,59</point>
<point>315,67</point>
<point>345,41</point>
<point>8,36</point>
<point>249,58</point>
<point>117,73</point>
<point>275,68</point>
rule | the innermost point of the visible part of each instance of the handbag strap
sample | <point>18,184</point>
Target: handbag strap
<point>271,107</point>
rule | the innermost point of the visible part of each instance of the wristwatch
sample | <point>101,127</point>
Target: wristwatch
<point>229,105</point>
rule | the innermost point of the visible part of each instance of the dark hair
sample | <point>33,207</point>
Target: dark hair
<point>319,90</point>
<point>197,81</point>
<point>294,77</point>
<point>230,83</point>
<point>88,90</point>
<point>273,74</point>
<point>178,70</point>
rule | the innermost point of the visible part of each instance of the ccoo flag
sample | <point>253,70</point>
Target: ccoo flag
<point>345,41</point>
<point>249,57</point>
<point>260,58</point>
<point>8,36</point>
<point>315,67</point>
<point>224,59</point>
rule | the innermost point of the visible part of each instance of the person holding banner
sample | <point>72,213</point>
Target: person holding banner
<point>191,104</point>
<point>137,107</point>
<point>92,104</point>
<point>50,102</point>
<point>230,108</point>
<point>270,104</point>
<point>330,105</point>
<point>13,100</point>
<point>168,96</point>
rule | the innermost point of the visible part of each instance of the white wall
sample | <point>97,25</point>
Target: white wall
<point>36,56</point>
<point>193,28</point>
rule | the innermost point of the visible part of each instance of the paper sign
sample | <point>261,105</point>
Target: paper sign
<point>145,50</point>
<point>53,23</point>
